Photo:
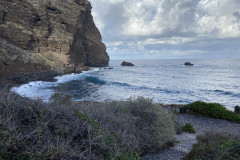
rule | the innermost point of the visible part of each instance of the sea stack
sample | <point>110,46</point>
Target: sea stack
<point>188,64</point>
<point>40,35</point>
<point>124,63</point>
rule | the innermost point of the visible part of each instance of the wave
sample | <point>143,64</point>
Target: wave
<point>221,92</point>
<point>98,81</point>
<point>95,80</point>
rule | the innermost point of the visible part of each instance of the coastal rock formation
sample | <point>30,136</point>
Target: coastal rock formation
<point>237,109</point>
<point>36,35</point>
<point>124,63</point>
<point>188,64</point>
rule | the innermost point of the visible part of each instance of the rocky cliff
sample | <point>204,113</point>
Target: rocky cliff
<point>37,35</point>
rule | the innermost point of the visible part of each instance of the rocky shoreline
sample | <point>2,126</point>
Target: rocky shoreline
<point>47,75</point>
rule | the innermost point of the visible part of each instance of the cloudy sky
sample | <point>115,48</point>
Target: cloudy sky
<point>162,29</point>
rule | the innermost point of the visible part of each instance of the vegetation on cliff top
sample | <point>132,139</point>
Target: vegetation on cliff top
<point>31,129</point>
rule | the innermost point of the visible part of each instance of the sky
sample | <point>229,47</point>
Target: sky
<point>169,29</point>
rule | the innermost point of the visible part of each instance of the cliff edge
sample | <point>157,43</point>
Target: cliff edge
<point>37,35</point>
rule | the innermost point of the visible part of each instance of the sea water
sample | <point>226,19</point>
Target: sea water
<point>164,81</point>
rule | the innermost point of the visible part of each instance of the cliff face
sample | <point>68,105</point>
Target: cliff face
<point>36,35</point>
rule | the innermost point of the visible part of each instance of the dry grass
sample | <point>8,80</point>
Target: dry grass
<point>31,129</point>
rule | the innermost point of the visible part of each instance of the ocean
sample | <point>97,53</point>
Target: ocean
<point>164,81</point>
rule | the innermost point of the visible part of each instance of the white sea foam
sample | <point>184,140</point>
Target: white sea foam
<point>34,90</point>
<point>37,89</point>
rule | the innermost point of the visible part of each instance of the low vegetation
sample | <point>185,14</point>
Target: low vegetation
<point>215,146</point>
<point>188,127</point>
<point>62,129</point>
<point>213,110</point>
<point>143,126</point>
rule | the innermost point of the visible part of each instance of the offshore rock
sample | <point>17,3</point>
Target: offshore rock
<point>124,63</point>
<point>37,35</point>
<point>237,109</point>
<point>188,64</point>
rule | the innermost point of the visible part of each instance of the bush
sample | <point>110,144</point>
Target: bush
<point>188,128</point>
<point>141,125</point>
<point>61,98</point>
<point>178,128</point>
<point>215,146</point>
<point>213,110</point>
<point>31,129</point>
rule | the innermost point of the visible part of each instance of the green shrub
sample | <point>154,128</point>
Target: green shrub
<point>215,146</point>
<point>213,110</point>
<point>141,125</point>
<point>188,128</point>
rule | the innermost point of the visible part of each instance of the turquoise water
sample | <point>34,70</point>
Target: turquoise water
<point>166,81</point>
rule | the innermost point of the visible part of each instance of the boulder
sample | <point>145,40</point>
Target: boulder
<point>237,109</point>
<point>188,64</point>
<point>124,63</point>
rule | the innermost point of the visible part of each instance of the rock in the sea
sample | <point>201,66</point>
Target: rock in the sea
<point>188,64</point>
<point>237,109</point>
<point>124,63</point>
<point>36,35</point>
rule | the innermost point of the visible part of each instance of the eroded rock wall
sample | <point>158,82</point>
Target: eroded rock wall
<point>60,33</point>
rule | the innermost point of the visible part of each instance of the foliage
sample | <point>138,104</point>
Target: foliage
<point>215,146</point>
<point>121,130</point>
<point>188,127</point>
<point>178,128</point>
<point>142,126</point>
<point>31,129</point>
<point>61,98</point>
<point>213,110</point>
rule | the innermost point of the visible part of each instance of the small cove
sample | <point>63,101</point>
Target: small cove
<point>166,81</point>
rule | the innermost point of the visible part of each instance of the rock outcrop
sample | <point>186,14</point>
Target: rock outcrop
<point>188,64</point>
<point>36,35</point>
<point>237,109</point>
<point>124,63</point>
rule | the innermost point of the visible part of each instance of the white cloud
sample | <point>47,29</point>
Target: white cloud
<point>151,17</point>
<point>131,26</point>
<point>172,40</point>
<point>216,18</point>
<point>114,43</point>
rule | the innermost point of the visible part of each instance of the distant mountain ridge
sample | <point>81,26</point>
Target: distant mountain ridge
<point>37,35</point>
